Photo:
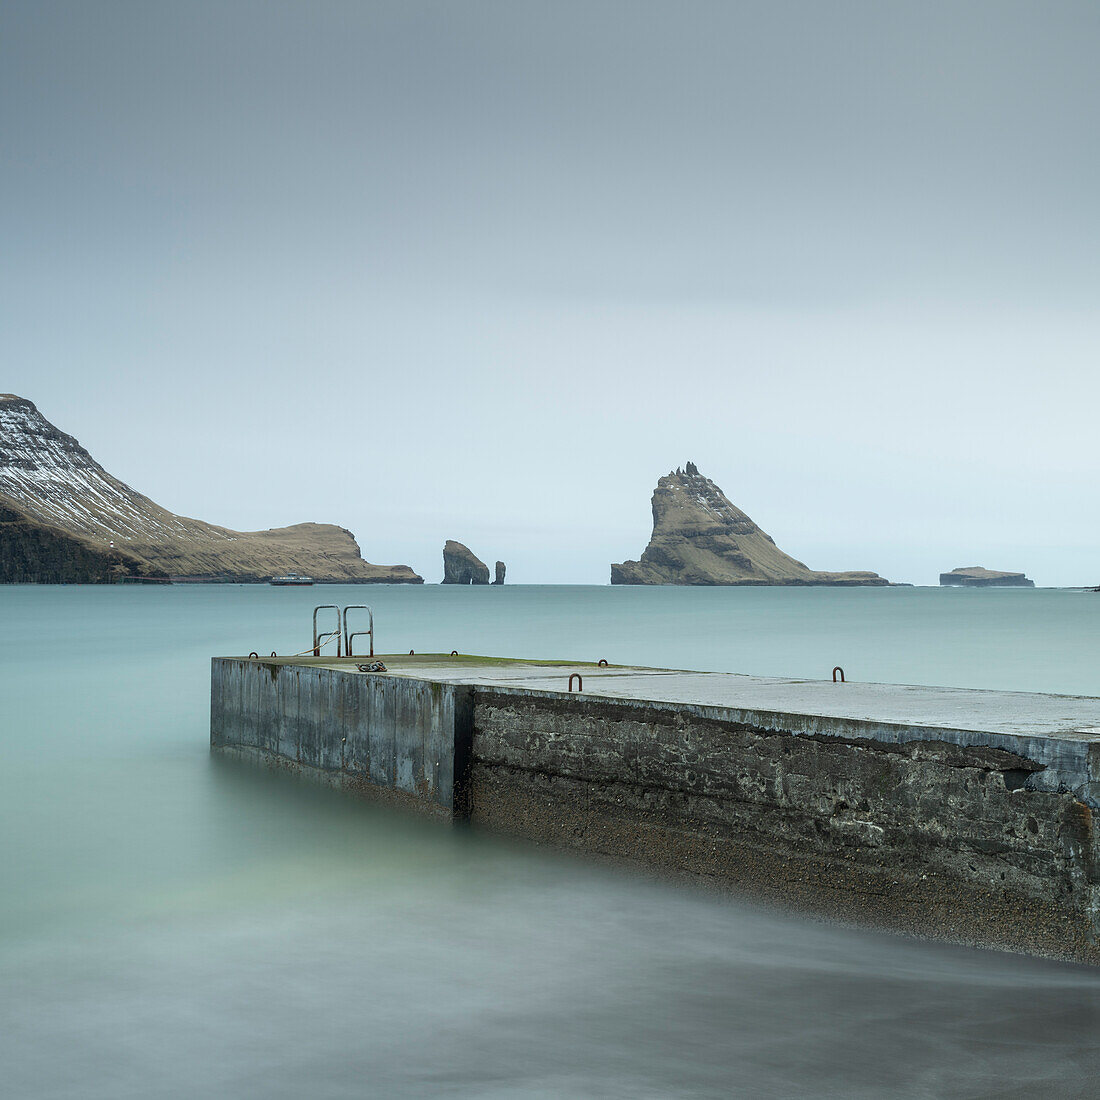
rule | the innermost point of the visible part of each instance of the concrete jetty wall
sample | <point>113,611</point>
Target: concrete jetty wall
<point>953,836</point>
<point>926,837</point>
<point>400,740</point>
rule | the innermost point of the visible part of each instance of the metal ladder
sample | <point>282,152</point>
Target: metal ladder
<point>351,635</point>
<point>345,637</point>
<point>322,637</point>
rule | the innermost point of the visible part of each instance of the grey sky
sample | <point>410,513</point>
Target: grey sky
<point>484,271</point>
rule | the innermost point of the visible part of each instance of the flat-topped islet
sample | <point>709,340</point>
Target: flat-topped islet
<point>977,576</point>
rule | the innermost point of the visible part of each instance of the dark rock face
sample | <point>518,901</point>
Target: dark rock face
<point>976,576</point>
<point>499,573</point>
<point>699,537</point>
<point>462,566</point>
<point>33,553</point>
<point>65,519</point>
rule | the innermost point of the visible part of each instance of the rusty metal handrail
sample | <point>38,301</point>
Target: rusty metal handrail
<point>320,639</point>
<point>351,635</point>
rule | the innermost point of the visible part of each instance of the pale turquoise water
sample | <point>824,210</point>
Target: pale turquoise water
<point>171,927</point>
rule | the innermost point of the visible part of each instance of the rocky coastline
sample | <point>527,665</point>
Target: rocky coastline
<point>65,520</point>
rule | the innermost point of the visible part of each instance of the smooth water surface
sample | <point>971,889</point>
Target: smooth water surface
<point>173,926</point>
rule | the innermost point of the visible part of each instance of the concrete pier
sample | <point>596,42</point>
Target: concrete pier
<point>964,815</point>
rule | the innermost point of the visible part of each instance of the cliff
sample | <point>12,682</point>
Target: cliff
<point>462,566</point>
<point>65,519</point>
<point>975,576</point>
<point>699,537</point>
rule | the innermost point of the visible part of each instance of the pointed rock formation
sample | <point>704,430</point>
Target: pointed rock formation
<point>65,519</point>
<point>462,566</point>
<point>699,537</point>
<point>500,573</point>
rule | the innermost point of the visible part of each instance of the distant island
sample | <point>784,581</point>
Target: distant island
<point>976,576</point>
<point>700,538</point>
<point>65,520</point>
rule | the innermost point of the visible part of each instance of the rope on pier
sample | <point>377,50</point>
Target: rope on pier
<point>320,645</point>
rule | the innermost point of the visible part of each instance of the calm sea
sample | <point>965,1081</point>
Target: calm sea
<point>171,926</point>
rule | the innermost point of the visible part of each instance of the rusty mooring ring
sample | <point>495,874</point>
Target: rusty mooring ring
<point>253,654</point>
<point>454,652</point>
<point>274,654</point>
<point>580,683</point>
<point>602,663</point>
<point>412,652</point>
<point>841,671</point>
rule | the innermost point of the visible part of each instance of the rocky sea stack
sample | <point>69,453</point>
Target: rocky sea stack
<point>976,576</point>
<point>65,520</point>
<point>462,566</point>
<point>699,537</point>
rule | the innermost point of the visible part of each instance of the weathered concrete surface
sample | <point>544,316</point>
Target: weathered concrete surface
<point>961,815</point>
<point>859,829</point>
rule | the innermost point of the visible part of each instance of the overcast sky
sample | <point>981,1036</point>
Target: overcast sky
<point>484,271</point>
